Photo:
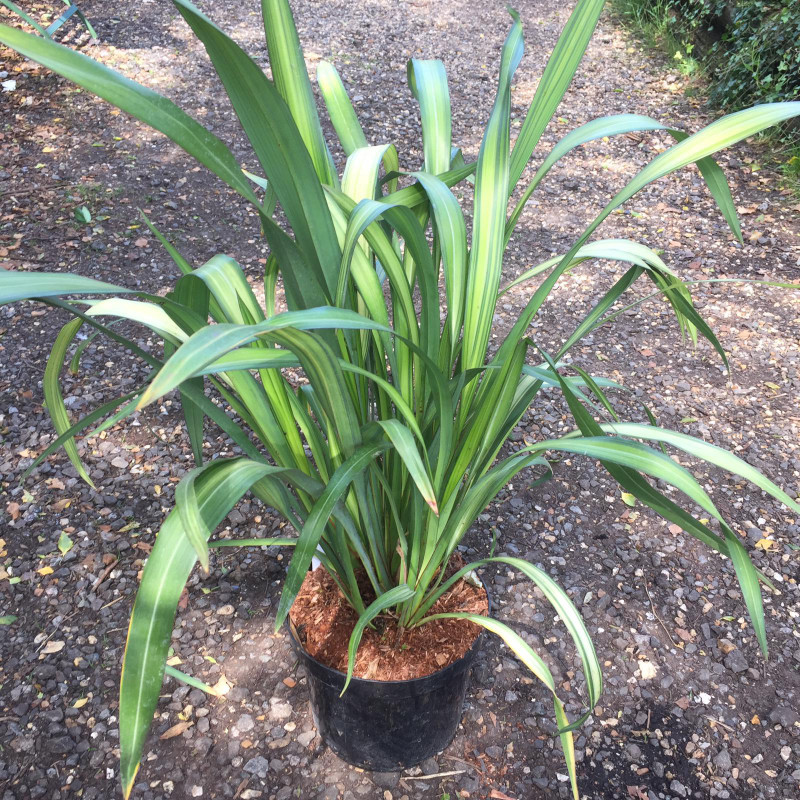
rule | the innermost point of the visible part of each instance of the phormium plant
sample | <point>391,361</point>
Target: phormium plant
<point>396,437</point>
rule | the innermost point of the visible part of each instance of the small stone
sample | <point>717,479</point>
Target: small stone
<point>306,738</point>
<point>784,716</point>
<point>59,745</point>
<point>495,752</point>
<point>678,788</point>
<point>197,791</point>
<point>225,611</point>
<point>429,766</point>
<point>119,462</point>
<point>245,723</point>
<point>786,752</point>
<point>257,766</point>
<point>722,761</point>
<point>386,780</point>
<point>736,662</point>
<point>634,751</point>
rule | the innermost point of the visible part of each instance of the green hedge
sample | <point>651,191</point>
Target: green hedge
<point>750,48</point>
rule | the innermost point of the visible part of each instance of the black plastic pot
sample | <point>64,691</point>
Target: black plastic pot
<point>386,726</point>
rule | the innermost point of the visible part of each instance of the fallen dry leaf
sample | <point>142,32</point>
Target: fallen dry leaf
<point>53,646</point>
<point>637,792</point>
<point>221,687</point>
<point>684,634</point>
<point>496,794</point>
<point>725,646</point>
<point>766,544</point>
<point>176,730</point>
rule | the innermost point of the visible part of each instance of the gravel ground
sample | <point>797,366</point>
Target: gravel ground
<point>690,707</point>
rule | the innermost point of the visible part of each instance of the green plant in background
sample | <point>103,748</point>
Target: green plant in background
<point>750,47</point>
<point>748,50</point>
<point>395,437</point>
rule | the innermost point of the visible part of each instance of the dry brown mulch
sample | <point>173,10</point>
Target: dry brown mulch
<point>324,622</point>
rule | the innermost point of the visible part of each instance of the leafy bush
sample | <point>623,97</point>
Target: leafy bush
<point>396,434</point>
<point>750,48</point>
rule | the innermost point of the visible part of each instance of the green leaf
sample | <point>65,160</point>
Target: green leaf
<point>705,451</point>
<point>153,316</point>
<point>555,80</point>
<point>135,99</point>
<point>340,109</point>
<point>628,499</point>
<point>32,22</point>
<point>152,619</point>
<point>278,144</point>
<point>20,285</point>
<point>391,598</point>
<point>315,524</point>
<point>525,653</point>
<point>65,544</point>
<point>291,80</point>
<point>10,619</point>
<point>55,400</point>
<point>427,80</point>
<point>82,215</point>
<point>214,341</point>
<point>489,211</point>
<point>403,442</point>
<point>195,683</point>
<point>451,233</point>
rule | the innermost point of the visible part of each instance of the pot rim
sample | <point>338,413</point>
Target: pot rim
<point>408,681</point>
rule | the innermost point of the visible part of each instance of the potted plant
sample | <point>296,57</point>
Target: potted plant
<point>373,414</point>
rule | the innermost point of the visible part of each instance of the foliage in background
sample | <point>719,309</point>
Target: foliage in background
<point>749,51</point>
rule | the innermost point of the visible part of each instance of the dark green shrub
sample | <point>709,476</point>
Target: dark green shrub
<point>750,48</point>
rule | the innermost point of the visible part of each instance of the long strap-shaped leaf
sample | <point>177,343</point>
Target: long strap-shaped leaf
<point>21,285</point>
<point>278,144</point>
<point>555,80</point>
<point>317,520</point>
<point>143,103</point>
<point>165,575</point>
<point>391,598</point>
<point>20,13</point>
<point>291,80</point>
<point>533,661</point>
<point>340,109</point>
<point>707,452</point>
<point>54,398</point>
<point>489,212</point>
<point>214,341</point>
<point>451,233</point>
<point>718,135</point>
<point>427,80</point>
<point>615,457</point>
<point>563,606</point>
